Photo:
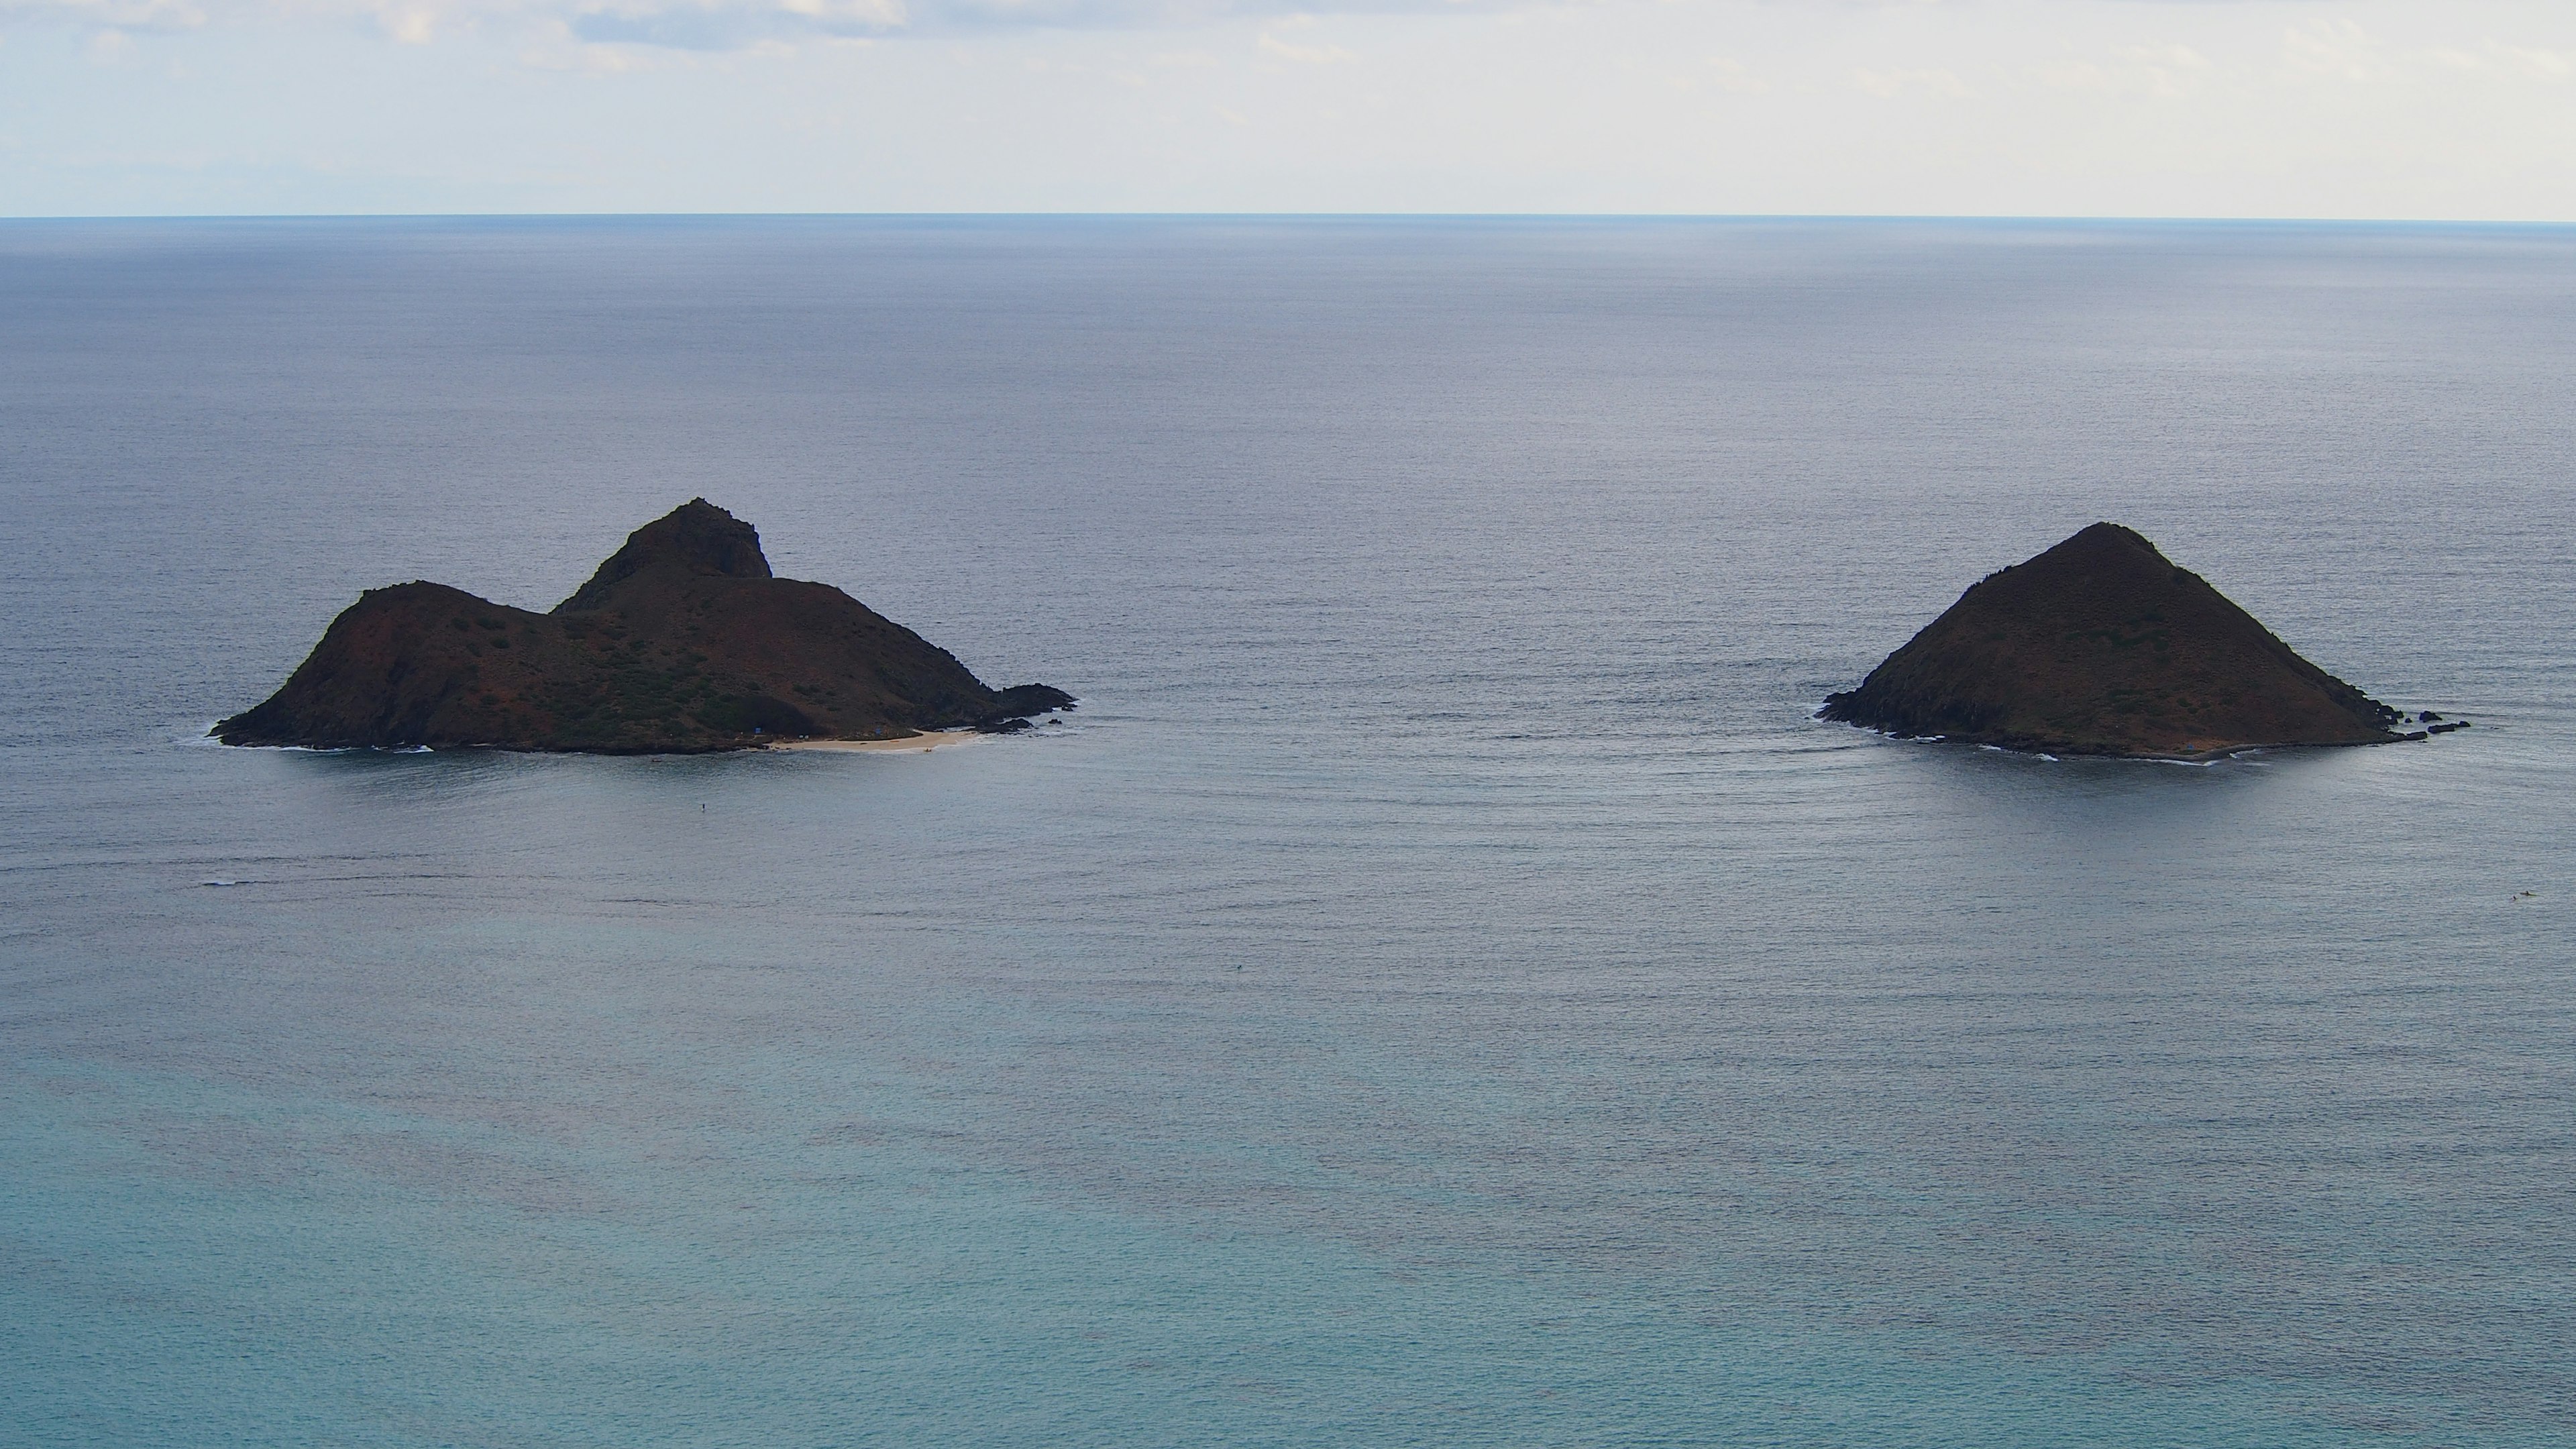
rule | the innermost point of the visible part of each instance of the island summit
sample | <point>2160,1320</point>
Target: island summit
<point>681,642</point>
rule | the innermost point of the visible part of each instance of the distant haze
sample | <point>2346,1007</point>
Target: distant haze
<point>2462,109</point>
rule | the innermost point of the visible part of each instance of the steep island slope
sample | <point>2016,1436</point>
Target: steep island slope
<point>2103,646</point>
<point>682,641</point>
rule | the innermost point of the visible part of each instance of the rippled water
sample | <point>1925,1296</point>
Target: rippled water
<point>1441,988</point>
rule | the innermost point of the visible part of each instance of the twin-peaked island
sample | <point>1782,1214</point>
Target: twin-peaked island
<point>682,641</point>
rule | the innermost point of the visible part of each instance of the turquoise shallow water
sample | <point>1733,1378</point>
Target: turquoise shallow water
<point>1440,987</point>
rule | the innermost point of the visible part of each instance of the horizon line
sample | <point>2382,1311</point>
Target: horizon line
<point>1963,218</point>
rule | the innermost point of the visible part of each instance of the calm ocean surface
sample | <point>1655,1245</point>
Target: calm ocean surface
<point>1441,988</point>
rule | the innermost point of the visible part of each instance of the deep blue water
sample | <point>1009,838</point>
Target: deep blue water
<point>1442,988</point>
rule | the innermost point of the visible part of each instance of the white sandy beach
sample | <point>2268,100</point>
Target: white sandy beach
<point>932,740</point>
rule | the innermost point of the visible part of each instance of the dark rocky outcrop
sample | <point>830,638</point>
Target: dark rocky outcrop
<point>682,641</point>
<point>2102,646</point>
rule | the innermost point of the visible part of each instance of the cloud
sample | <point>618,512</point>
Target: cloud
<point>1893,83</point>
<point>1732,75</point>
<point>121,14</point>
<point>2336,48</point>
<point>736,26</point>
<point>2163,71</point>
<point>2523,60</point>
<point>1305,54</point>
<point>2548,65</point>
<point>720,24</point>
<point>416,25</point>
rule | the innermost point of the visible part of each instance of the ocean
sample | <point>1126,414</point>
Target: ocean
<point>1441,986</point>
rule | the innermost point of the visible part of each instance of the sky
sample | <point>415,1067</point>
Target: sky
<point>2380,109</point>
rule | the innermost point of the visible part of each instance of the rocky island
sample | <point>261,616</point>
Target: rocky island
<point>2103,646</point>
<point>681,642</point>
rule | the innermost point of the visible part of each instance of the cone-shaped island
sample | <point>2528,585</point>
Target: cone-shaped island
<point>681,642</point>
<point>2102,646</point>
